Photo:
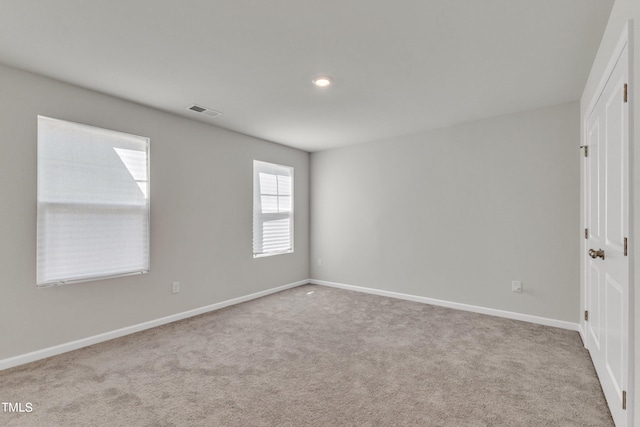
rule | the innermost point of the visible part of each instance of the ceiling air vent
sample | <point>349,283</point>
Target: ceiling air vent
<point>204,110</point>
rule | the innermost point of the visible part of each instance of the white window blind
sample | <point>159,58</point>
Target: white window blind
<point>93,203</point>
<point>272,209</point>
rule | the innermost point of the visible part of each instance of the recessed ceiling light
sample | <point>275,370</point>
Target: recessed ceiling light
<point>323,81</point>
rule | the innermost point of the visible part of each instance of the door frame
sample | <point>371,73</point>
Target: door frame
<point>625,40</point>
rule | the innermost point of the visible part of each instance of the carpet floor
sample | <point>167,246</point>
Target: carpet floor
<point>318,356</point>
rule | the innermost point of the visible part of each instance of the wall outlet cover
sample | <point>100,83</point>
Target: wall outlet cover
<point>516,286</point>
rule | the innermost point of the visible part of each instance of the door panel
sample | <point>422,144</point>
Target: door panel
<point>614,345</point>
<point>594,325</point>
<point>614,167</point>
<point>593,199</point>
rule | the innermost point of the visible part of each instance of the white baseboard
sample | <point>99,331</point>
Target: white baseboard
<point>85,342</point>
<point>456,305</point>
<point>583,335</point>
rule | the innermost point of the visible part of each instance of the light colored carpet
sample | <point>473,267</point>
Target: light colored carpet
<point>318,356</point>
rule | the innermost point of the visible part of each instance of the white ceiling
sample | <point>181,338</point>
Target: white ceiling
<point>399,66</point>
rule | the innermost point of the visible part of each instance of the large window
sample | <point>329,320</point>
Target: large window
<point>272,209</point>
<point>93,203</point>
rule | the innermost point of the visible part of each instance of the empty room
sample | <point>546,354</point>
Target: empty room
<point>338,213</point>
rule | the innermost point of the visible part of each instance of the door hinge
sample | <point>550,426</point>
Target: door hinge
<point>624,399</point>
<point>625,246</point>
<point>586,315</point>
<point>624,92</point>
<point>586,233</point>
<point>586,150</point>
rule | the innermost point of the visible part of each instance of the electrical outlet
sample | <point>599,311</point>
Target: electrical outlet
<point>319,263</point>
<point>516,286</point>
<point>176,287</point>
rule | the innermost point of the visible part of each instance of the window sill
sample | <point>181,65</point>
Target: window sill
<point>272,254</point>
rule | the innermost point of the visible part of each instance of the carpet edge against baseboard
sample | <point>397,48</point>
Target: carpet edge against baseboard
<point>455,305</point>
<point>117,333</point>
<point>127,330</point>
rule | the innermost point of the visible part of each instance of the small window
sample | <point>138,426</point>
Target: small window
<point>272,209</point>
<point>93,203</point>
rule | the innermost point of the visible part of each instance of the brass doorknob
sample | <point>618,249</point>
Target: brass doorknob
<point>595,254</point>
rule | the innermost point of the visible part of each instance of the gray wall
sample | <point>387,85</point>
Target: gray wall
<point>457,214</point>
<point>623,11</point>
<point>201,218</point>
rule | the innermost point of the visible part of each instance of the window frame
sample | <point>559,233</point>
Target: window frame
<point>43,206</point>
<point>259,218</point>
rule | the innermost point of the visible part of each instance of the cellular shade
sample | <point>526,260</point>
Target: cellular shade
<point>93,203</point>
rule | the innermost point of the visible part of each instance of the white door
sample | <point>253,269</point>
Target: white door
<point>607,223</point>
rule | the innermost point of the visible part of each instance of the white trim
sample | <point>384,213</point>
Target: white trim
<point>455,305</point>
<point>615,55</point>
<point>85,342</point>
<point>583,335</point>
<point>632,365</point>
<point>266,254</point>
